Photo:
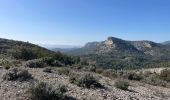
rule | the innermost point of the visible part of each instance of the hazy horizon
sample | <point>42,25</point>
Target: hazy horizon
<point>76,22</point>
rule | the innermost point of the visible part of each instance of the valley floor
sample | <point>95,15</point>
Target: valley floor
<point>15,90</point>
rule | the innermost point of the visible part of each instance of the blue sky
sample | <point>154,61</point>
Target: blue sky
<point>75,22</point>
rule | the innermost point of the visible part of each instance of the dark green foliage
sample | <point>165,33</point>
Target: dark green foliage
<point>122,84</point>
<point>9,63</point>
<point>64,71</point>
<point>7,67</point>
<point>165,75</point>
<point>99,70</point>
<point>154,79</point>
<point>87,81</point>
<point>134,76</point>
<point>42,91</point>
<point>24,53</point>
<point>109,73</point>
<point>59,60</point>
<point>17,74</point>
<point>36,63</point>
<point>53,61</point>
<point>48,70</point>
<point>92,68</point>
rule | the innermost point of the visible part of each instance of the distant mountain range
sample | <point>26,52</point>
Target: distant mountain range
<point>64,50</point>
<point>53,46</point>
<point>166,43</point>
<point>110,53</point>
<point>118,53</point>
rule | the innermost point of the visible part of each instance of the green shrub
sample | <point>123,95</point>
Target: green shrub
<point>165,75</point>
<point>7,67</point>
<point>42,91</point>
<point>17,74</point>
<point>109,73</point>
<point>48,70</point>
<point>134,76</point>
<point>121,84</point>
<point>92,68</point>
<point>87,81</point>
<point>99,70</point>
<point>36,63</point>
<point>154,79</point>
<point>6,63</point>
<point>63,71</point>
<point>24,53</point>
<point>52,61</point>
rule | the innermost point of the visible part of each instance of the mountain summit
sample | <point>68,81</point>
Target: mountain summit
<point>115,52</point>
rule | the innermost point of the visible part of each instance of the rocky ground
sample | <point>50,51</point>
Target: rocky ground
<point>15,90</point>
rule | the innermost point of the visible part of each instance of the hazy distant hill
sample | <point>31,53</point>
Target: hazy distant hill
<point>118,53</point>
<point>63,50</point>
<point>166,43</point>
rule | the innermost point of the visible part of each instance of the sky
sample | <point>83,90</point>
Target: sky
<point>76,22</point>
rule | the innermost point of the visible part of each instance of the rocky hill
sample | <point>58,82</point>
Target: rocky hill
<point>118,53</point>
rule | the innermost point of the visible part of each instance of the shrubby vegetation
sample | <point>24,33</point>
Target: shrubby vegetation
<point>161,79</point>
<point>85,80</point>
<point>64,71</point>
<point>133,76</point>
<point>27,51</point>
<point>43,91</point>
<point>47,69</point>
<point>8,63</point>
<point>36,63</point>
<point>165,75</point>
<point>109,73</point>
<point>122,84</point>
<point>17,74</point>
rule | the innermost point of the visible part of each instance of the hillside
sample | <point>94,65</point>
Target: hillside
<point>30,72</point>
<point>19,49</point>
<point>117,53</point>
<point>166,43</point>
<point>14,53</point>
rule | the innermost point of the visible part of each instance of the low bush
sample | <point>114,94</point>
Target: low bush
<point>17,74</point>
<point>6,63</point>
<point>7,67</point>
<point>99,70</point>
<point>154,79</point>
<point>92,68</point>
<point>121,84</point>
<point>134,76</point>
<point>109,73</point>
<point>165,75</point>
<point>48,70</point>
<point>42,91</point>
<point>157,79</point>
<point>36,63</point>
<point>52,61</point>
<point>87,81</point>
<point>63,71</point>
